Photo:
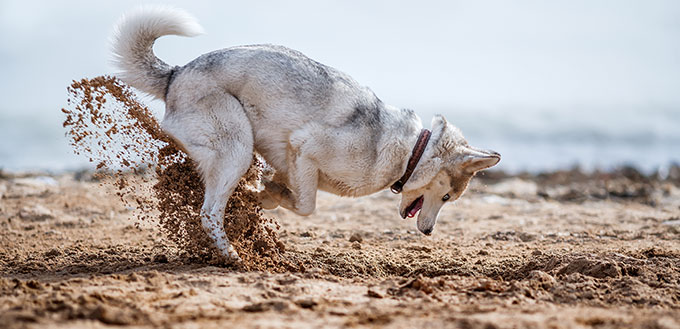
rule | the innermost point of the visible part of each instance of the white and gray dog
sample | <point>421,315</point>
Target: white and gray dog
<point>317,127</point>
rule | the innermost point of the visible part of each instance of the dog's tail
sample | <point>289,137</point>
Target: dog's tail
<point>133,40</point>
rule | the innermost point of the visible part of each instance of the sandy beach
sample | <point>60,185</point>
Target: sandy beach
<point>558,250</point>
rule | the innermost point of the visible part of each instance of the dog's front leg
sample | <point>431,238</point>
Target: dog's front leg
<point>303,185</point>
<point>303,180</point>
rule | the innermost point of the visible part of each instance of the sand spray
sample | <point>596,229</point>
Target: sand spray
<point>106,122</point>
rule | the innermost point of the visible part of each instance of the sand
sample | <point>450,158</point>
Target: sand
<point>515,251</point>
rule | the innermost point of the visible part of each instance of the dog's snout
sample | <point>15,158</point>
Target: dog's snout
<point>427,231</point>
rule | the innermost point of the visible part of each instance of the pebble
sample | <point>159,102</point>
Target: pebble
<point>542,279</point>
<point>374,293</point>
<point>306,303</point>
<point>356,237</point>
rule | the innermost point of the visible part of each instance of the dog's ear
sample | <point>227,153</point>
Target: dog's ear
<point>438,125</point>
<point>475,160</point>
<point>445,137</point>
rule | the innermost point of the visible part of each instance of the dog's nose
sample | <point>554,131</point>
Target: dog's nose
<point>427,231</point>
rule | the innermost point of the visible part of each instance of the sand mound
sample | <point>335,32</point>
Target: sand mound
<point>106,123</point>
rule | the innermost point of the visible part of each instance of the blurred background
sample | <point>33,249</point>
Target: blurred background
<point>548,84</point>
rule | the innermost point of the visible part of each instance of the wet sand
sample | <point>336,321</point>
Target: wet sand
<point>559,250</point>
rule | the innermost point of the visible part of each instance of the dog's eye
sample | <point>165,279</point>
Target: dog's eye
<point>446,197</point>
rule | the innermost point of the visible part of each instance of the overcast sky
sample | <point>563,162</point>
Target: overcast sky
<point>424,55</point>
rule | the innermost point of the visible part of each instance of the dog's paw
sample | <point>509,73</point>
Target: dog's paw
<point>267,200</point>
<point>272,194</point>
<point>234,259</point>
<point>275,188</point>
<point>228,259</point>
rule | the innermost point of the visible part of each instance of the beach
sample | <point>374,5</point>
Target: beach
<point>563,249</point>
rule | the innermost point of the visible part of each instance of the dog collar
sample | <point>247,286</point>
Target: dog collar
<point>416,154</point>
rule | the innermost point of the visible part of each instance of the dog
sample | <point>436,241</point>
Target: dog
<point>316,126</point>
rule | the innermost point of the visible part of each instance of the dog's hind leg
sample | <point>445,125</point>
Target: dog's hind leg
<point>218,136</point>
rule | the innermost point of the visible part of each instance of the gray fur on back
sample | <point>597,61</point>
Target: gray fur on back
<point>283,72</point>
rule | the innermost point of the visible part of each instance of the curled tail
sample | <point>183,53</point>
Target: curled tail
<point>133,40</point>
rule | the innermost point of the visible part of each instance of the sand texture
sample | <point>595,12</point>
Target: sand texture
<point>564,250</point>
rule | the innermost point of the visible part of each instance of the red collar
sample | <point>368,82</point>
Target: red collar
<point>416,154</point>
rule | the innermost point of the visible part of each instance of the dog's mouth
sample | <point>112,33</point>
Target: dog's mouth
<point>413,208</point>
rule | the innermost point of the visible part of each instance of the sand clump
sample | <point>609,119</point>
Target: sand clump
<point>106,123</point>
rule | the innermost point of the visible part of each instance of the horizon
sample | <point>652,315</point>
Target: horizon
<point>607,69</point>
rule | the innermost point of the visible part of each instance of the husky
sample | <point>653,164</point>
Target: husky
<point>315,126</point>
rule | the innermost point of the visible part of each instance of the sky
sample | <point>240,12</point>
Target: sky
<point>495,59</point>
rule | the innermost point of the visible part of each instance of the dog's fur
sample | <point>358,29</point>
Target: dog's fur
<point>316,126</point>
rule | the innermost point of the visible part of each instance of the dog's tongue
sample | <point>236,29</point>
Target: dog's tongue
<point>415,209</point>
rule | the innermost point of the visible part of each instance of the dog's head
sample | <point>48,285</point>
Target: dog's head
<point>443,173</point>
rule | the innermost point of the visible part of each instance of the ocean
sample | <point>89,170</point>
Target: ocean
<point>528,140</point>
